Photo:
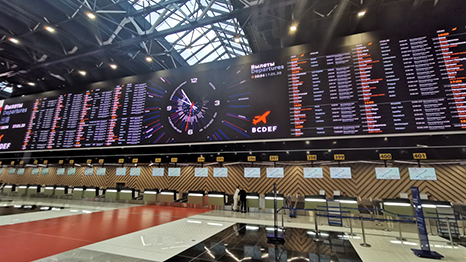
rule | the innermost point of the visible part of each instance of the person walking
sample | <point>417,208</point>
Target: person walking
<point>242,198</point>
<point>236,200</point>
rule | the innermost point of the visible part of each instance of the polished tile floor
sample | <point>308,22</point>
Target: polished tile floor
<point>101,231</point>
<point>246,242</point>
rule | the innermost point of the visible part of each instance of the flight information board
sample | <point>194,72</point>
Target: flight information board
<point>367,84</point>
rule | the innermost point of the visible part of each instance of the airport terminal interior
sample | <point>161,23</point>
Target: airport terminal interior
<point>232,130</point>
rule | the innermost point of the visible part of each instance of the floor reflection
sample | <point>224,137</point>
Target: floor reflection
<point>8,209</point>
<point>243,242</point>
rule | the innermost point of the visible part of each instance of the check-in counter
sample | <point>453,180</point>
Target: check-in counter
<point>398,206</point>
<point>32,190</point>
<point>60,190</point>
<point>196,197</point>
<point>111,194</point>
<point>150,195</point>
<point>126,194</point>
<point>216,198</point>
<point>22,190</point>
<point>349,204</point>
<point>49,191</point>
<point>430,208</point>
<point>78,193</point>
<point>314,202</point>
<point>9,188</point>
<point>252,200</point>
<point>167,196</point>
<point>91,192</point>
<point>269,200</point>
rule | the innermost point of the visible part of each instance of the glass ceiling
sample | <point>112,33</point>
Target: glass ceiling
<point>209,43</point>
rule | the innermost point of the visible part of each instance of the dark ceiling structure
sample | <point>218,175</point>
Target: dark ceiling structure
<point>52,44</point>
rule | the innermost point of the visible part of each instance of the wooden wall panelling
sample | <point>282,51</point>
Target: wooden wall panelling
<point>27,178</point>
<point>449,186</point>
<point>69,180</point>
<point>9,179</point>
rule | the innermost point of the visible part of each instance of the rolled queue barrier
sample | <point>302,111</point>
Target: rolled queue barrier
<point>150,195</point>
<point>196,197</point>
<point>111,194</point>
<point>126,194</point>
<point>215,198</point>
<point>78,193</point>
<point>269,201</point>
<point>167,196</point>
<point>252,201</point>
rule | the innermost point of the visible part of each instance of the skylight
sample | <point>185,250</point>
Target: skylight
<point>202,44</point>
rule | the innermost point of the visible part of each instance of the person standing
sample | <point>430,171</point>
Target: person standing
<point>242,198</point>
<point>236,200</point>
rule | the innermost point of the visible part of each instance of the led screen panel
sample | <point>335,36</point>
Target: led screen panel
<point>35,171</point>
<point>201,172</point>
<point>220,172</point>
<point>101,171</point>
<point>158,172</point>
<point>313,172</point>
<point>275,172</point>
<point>422,173</point>
<point>11,171</point>
<point>20,171</point>
<point>355,87</point>
<point>174,171</point>
<point>391,173</point>
<point>340,172</point>
<point>121,171</point>
<point>252,172</point>
<point>44,171</point>
<point>135,171</point>
<point>88,171</point>
<point>71,171</point>
<point>60,171</point>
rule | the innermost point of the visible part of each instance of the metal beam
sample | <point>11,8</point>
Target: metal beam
<point>153,8</point>
<point>161,34</point>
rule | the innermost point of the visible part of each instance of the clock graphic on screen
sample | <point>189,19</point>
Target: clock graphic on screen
<point>193,106</point>
<point>205,106</point>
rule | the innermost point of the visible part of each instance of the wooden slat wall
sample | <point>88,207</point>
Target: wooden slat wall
<point>450,185</point>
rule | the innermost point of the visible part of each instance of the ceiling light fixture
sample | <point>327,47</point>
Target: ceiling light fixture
<point>236,39</point>
<point>362,13</point>
<point>31,83</point>
<point>13,40</point>
<point>148,59</point>
<point>293,28</point>
<point>91,15</point>
<point>113,66</point>
<point>83,73</point>
<point>50,29</point>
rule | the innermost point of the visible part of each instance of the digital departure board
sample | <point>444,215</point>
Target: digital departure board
<point>362,85</point>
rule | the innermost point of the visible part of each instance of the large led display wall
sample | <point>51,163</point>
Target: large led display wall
<point>364,85</point>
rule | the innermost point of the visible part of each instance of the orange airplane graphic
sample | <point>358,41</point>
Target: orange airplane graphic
<point>262,118</point>
<point>1,137</point>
